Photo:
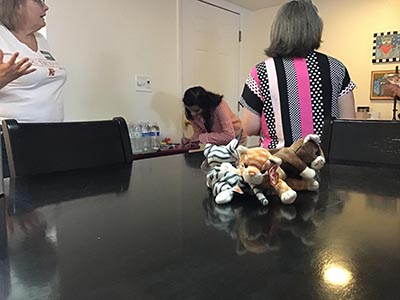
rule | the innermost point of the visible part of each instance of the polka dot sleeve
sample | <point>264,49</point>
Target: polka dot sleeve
<point>251,98</point>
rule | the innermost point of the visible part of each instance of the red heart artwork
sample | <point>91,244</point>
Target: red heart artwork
<point>386,48</point>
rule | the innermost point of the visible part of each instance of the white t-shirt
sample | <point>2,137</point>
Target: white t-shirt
<point>35,97</point>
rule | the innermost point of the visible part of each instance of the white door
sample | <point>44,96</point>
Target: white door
<point>210,49</point>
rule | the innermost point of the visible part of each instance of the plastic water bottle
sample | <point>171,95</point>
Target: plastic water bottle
<point>135,132</point>
<point>158,136</point>
<point>155,137</point>
<point>146,128</point>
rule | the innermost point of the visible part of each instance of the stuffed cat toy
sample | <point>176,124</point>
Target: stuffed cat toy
<point>216,155</point>
<point>222,178</point>
<point>259,167</point>
<point>224,181</point>
<point>300,162</point>
<point>290,169</point>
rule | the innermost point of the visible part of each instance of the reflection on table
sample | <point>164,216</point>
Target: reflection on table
<point>159,235</point>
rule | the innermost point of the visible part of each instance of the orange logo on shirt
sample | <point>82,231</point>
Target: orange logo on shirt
<point>52,72</point>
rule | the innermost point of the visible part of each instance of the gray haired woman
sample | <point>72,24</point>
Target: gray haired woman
<point>288,96</point>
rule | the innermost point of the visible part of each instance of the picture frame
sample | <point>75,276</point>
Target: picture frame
<point>377,85</point>
<point>386,47</point>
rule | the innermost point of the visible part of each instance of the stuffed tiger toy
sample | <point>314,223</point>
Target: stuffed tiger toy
<point>222,177</point>
<point>224,181</point>
<point>258,168</point>
<point>216,155</point>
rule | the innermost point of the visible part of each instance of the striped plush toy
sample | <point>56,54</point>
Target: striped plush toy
<point>224,181</point>
<point>223,178</point>
<point>216,155</point>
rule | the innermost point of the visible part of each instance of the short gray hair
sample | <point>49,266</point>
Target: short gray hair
<point>8,12</point>
<point>296,30</point>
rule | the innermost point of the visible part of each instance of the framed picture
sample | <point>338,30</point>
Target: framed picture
<point>378,84</point>
<point>386,47</point>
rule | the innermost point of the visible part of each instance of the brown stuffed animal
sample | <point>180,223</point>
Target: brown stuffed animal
<point>258,168</point>
<point>300,161</point>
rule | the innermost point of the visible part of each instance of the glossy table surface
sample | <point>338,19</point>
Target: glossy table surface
<point>152,231</point>
<point>165,151</point>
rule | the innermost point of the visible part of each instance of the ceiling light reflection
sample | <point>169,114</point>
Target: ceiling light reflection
<point>337,275</point>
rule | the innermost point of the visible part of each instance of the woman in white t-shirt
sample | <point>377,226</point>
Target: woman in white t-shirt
<point>28,92</point>
<point>30,88</point>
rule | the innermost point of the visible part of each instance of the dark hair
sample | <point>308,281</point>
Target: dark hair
<point>296,30</point>
<point>8,13</point>
<point>206,100</point>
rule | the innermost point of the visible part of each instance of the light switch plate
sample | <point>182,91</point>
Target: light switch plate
<point>143,83</point>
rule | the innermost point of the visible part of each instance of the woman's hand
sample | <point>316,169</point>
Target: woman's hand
<point>188,143</point>
<point>185,142</point>
<point>11,70</point>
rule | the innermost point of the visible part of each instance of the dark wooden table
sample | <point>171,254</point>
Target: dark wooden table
<point>152,231</point>
<point>172,150</point>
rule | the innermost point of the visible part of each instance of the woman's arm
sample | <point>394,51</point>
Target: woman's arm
<point>194,139</point>
<point>251,122</point>
<point>197,130</point>
<point>347,106</point>
<point>223,121</point>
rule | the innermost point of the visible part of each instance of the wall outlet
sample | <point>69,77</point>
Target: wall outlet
<point>143,83</point>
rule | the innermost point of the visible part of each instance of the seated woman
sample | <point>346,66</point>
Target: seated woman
<point>211,118</point>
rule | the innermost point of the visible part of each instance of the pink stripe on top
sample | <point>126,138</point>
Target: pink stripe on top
<point>255,76</point>
<point>303,82</point>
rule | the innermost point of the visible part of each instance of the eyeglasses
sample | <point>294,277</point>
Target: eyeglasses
<point>41,2</point>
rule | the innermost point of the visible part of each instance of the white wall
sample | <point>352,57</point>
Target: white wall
<point>103,44</point>
<point>348,35</point>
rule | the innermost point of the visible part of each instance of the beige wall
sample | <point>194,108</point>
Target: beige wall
<point>103,44</point>
<point>348,35</point>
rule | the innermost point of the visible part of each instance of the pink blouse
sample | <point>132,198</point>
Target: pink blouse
<point>226,126</point>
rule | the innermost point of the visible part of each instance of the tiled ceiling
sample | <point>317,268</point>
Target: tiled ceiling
<point>256,4</point>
